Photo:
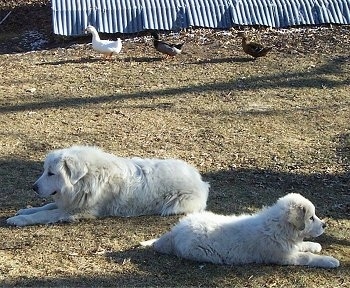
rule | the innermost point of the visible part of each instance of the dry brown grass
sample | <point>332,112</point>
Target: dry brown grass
<point>255,129</point>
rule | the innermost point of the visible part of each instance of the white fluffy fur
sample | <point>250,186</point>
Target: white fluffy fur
<point>86,182</point>
<point>274,235</point>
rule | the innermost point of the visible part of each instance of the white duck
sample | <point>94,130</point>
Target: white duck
<point>105,47</point>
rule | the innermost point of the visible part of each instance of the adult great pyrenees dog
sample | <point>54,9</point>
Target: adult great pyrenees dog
<point>86,182</point>
<point>274,235</point>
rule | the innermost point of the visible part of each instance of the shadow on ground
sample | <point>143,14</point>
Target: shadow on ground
<point>170,271</point>
<point>232,191</point>
<point>317,77</point>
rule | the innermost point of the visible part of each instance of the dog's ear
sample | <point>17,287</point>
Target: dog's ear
<point>75,168</point>
<point>296,216</point>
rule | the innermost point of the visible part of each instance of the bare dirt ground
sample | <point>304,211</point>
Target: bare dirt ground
<point>255,129</point>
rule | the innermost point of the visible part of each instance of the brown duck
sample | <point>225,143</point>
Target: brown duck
<point>253,49</point>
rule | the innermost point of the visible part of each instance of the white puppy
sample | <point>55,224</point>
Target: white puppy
<point>274,235</point>
<point>86,182</point>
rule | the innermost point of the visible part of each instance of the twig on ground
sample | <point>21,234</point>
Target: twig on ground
<point>7,15</point>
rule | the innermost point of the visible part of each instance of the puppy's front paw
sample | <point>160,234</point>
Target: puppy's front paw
<point>23,211</point>
<point>17,221</point>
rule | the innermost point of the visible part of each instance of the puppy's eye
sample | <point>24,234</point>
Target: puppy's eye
<point>312,218</point>
<point>50,174</point>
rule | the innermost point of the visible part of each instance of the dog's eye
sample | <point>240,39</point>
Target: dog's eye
<point>50,174</point>
<point>312,218</point>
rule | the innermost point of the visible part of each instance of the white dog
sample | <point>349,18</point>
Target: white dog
<point>274,235</point>
<point>86,182</point>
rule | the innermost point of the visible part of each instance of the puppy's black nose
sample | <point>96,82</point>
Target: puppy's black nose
<point>324,225</point>
<point>35,187</point>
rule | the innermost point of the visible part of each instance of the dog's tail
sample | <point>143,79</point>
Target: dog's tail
<point>148,243</point>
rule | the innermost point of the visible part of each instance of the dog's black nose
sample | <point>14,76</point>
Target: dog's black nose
<point>324,225</point>
<point>35,187</point>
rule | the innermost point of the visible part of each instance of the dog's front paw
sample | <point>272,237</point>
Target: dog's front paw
<point>330,262</point>
<point>309,247</point>
<point>314,247</point>
<point>19,220</point>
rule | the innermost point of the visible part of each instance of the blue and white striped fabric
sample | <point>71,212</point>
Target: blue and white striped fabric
<point>70,17</point>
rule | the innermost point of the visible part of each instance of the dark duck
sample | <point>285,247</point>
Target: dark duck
<point>166,48</point>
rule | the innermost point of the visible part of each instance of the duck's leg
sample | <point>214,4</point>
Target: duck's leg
<point>109,56</point>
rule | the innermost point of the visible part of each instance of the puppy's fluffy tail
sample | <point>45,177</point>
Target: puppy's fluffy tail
<point>148,243</point>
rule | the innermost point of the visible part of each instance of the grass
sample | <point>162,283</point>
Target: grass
<point>255,129</point>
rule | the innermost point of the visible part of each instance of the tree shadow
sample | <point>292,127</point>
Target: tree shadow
<point>159,270</point>
<point>236,191</point>
<point>243,190</point>
<point>317,77</point>
<point>239,191</point>
<point>90,59</point>
<point>144,59</point>
<point>233,191</point>
<point>17,177</point>
<point>222,60</point>
<point>74,61</point>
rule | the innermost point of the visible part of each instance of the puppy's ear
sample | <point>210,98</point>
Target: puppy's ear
<point>296,216</point>
<point>75,169</point>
